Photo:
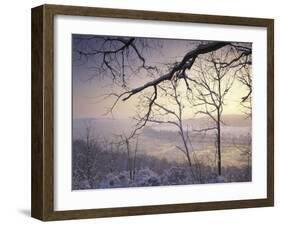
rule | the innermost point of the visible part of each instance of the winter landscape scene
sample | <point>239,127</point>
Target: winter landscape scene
<point>158,112</point>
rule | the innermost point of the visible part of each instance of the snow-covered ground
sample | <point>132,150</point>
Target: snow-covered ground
<point>159,161</point>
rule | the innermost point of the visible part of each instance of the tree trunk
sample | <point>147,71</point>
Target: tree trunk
<point>129,163</point>
<point>219,143</point>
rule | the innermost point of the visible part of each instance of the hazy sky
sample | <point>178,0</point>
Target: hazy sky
<point>89,86</point>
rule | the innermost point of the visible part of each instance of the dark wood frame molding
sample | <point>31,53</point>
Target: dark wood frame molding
<point>42,203</point>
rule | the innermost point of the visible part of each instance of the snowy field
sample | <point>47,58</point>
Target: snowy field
<point>158,161</point>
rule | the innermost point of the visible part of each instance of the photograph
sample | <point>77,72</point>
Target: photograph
<point>158,112</point>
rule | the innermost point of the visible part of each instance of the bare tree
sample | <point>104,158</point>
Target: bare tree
<point>90,153</point>
<point>212,83</point>
<point>172,114</point>
<point>131,155</point>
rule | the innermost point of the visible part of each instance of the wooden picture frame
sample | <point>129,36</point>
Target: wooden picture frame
<point>42,203</point>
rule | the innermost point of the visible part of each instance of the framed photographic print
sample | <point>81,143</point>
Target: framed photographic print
<point>141,112</point>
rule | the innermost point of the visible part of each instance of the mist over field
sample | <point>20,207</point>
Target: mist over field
<point>158,150</point>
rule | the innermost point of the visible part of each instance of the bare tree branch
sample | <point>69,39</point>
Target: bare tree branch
<point>186,63</point>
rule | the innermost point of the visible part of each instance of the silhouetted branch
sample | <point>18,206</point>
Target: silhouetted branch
<point>186,63</point>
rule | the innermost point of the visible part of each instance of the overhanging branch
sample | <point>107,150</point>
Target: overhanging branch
<point>186,63</point>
